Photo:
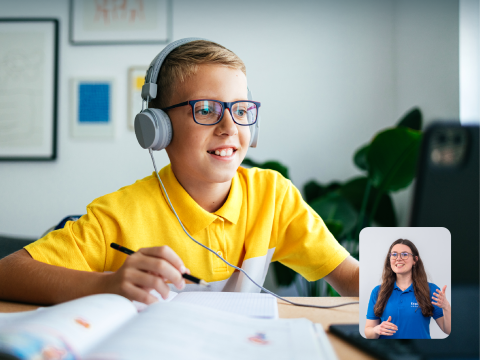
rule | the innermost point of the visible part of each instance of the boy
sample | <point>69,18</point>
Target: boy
<point>249,217</point>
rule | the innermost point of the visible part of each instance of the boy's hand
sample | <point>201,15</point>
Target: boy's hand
<point>147,269</point>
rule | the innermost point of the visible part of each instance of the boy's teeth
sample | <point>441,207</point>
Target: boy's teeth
<point>224,152</point>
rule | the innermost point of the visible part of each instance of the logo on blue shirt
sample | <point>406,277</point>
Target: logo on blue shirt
<point>414,304</point>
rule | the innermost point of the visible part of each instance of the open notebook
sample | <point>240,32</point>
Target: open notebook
<point>109,327</point>
<point>256,305</point>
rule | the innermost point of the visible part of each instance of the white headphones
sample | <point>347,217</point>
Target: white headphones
<point>153,127</point>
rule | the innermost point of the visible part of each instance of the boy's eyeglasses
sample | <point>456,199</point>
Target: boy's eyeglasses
<point>403,255</point>
<point>210,112</point>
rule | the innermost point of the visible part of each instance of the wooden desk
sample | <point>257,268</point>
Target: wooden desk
<point>341,315</point>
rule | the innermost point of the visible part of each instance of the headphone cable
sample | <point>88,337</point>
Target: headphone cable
<point>225,261</point>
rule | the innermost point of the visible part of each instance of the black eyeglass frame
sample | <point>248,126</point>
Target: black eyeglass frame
<point>401,257</point>
<point>225,105</point>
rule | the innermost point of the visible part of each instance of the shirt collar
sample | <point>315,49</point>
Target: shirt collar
<point>231,209</point>
<point>192,215</point>
<point>410,288</point>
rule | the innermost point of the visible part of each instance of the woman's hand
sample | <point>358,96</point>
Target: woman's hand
<point>386,328</point>
<point>147,269</point>
<point>440,299</point>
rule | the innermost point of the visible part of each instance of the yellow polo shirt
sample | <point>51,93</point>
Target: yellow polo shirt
<point>264,219</point>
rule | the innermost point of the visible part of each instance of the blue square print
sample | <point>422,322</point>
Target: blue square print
<point>94,102</point>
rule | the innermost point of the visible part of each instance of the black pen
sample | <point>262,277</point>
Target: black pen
<point>185,276</point>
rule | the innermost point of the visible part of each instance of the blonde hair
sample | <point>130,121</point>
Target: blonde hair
<point>183,62</point>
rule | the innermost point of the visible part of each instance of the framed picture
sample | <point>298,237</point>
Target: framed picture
<point>28,89</point>
<point>120,21</point>
<point>136,79</point>
<point>92,108</point>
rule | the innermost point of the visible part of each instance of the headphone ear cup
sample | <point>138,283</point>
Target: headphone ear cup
<point>254,130</point>
<point>153,129</point>
<point>165,129</point>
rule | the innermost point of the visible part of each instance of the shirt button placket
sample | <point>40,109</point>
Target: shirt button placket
<point>220,237</point>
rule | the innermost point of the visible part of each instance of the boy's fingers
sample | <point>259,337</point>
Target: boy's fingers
<point>444,288</point>
<point>161,268</point>
<point>146,280</point>
<point>165,252</point>
<point>133,292</point>
<point>146,289</point>
<point>389,319</point>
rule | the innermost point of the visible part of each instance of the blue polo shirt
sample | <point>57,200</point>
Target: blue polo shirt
<point>402,306</point>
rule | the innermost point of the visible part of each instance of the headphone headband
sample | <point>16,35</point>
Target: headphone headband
<point>149,89</point>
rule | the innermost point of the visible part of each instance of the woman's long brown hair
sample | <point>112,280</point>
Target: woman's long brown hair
<point>419,277</point>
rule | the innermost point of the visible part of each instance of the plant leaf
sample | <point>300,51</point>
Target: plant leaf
<point>360,157</point>
<point>335,227</point>
<point>392,158</point>
<point>334,206</point>
<point>284,276</point>
<point>354,191</point>
<point>331,291</point>
<point>412,119</point>
<point>313,189</point>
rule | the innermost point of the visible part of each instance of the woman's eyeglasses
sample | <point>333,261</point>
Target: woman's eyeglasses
<point>403,255</point>
<point>210,112</point>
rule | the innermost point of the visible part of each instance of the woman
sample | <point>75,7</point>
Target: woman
<point>402,306</point>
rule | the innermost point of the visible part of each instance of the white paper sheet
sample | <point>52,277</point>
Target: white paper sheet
<point>263,306</point>
<point>185,331</point>
<point>249,304</point>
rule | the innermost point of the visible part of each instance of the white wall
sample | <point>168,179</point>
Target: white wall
<point>469,61</point>
<point>426,38</point>
<point>426,56</point>
<point>329,75</point>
